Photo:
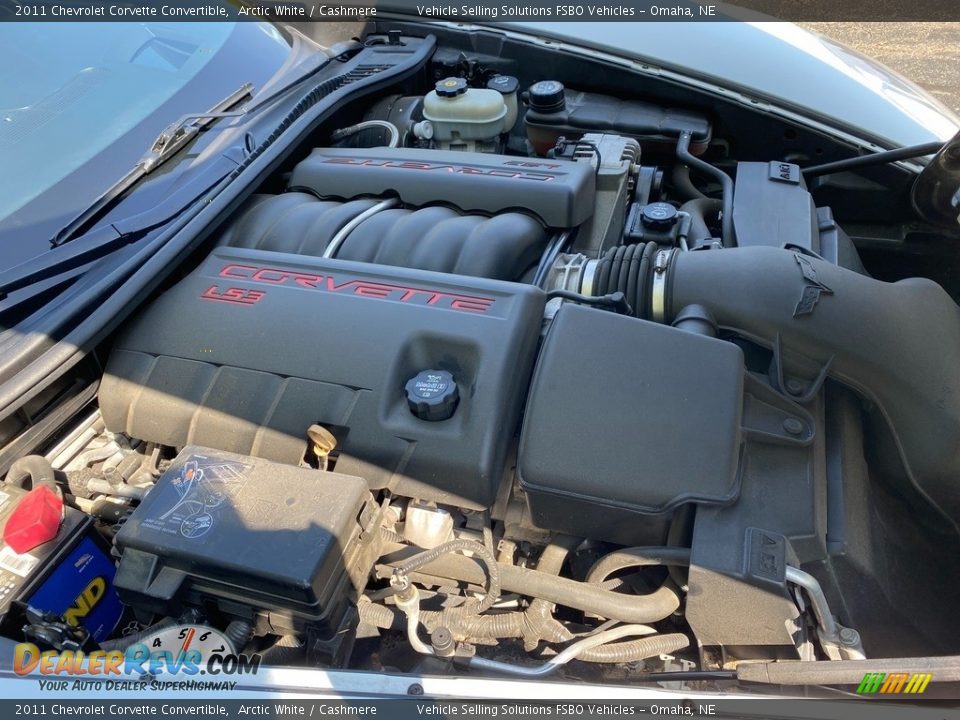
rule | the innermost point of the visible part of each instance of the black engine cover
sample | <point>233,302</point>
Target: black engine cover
<point>560,193</point>
<point>437,238</point>
<point>253,347</point>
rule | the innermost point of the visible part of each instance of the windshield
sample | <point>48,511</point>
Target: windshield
<point>81,102</point>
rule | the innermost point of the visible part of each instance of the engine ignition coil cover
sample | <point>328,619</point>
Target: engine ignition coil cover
<point>221,526</point>
<point>560,193</point>
<point>627,416</point>
<point>254,347</point>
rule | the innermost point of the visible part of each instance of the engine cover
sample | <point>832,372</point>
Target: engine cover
<point>559,193</point>
<point>253,347</point>
<point>437,238</point>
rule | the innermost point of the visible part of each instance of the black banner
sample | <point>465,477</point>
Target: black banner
<point>480,11</point>
<point>465,709</point>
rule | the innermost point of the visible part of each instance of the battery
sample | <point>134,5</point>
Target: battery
<point>70,575</point>
<point>231,530</point>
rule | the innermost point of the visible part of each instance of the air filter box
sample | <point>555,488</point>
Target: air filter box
<point>627,420</point>
<point>248,536</point>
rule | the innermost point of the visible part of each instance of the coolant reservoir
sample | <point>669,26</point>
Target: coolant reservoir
<point>462,115</point>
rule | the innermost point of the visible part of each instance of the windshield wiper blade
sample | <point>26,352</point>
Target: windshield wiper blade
<point>170,141</point>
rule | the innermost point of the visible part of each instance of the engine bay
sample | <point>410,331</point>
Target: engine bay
<point>509,372</point>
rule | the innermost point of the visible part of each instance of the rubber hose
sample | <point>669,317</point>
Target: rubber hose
<point>534,624</point>
<point>699,210</point>
<point>484,555</point>
<point>238,632</point>
<point>510,626</point>
<point>465,623</point>
<point>636,557</point>
<point>683,184</point>
<point>540,622</point>
<point>666,594</point>
<point>78,482</point>
<point>380,616</point>
<point>726,185</point>
<point>36,468</point>
<point>635,650</point>
<point>626,269</point>
<point>640,609</point>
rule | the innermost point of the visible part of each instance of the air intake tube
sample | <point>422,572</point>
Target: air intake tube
<point>897,344</point>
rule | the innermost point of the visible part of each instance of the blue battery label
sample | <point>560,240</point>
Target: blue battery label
<point>81,590</point>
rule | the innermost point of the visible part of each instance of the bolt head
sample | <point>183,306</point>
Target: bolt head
<point>794,386</point>
<point>849,636</point>
<point>793,426</point>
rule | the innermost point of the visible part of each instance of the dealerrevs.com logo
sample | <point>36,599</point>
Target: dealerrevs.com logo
<point>894,683</point>
<point>181,653</point>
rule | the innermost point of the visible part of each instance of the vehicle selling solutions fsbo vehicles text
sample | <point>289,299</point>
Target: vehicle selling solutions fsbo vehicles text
<point>570,10</point>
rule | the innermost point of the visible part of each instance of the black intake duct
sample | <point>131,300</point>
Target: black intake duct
<point>897,344</point>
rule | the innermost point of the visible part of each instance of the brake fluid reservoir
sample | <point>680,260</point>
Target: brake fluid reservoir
<point>462,115</point>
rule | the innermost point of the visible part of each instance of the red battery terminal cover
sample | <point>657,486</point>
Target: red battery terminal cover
<point>35,521</point>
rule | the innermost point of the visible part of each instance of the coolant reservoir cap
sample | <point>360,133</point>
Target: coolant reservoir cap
<point>451,87</point>
<point>547,96</point>
<point>432,395</point>
<point>658,215</point>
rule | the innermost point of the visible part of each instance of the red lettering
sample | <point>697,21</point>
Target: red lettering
<point>240,272</point>
<point>268,275</point>
<point>480,305</point>
<point>329,283</point>
<point>374,291</point>
<point>455,169</point>
<point>238,296</point>
<point>308,281</point>
<point>333,287</point>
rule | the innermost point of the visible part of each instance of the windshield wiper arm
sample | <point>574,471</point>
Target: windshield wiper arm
<point>107,238</point>
<point>170,141</point>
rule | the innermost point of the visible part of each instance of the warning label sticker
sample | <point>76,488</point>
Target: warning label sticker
<point>193,498</point>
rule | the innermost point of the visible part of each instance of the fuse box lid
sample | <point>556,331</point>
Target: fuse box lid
<point>268,535</point>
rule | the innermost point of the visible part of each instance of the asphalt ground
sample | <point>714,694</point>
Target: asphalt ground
<point>926,52</point>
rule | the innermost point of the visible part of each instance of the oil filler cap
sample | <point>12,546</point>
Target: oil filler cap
<point>432,395</point>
